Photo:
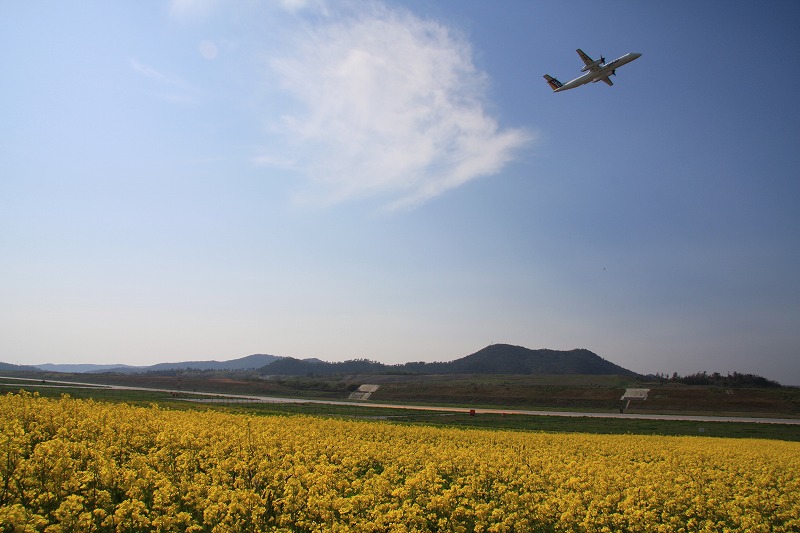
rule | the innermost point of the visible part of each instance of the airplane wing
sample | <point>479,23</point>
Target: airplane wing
<point>588,61</point>
<point>608,81</point>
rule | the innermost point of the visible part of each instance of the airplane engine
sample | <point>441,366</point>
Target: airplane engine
<point>592,64</point>
<point>596,63</point>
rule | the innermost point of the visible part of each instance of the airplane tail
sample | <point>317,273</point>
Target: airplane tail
<point>552,82</point>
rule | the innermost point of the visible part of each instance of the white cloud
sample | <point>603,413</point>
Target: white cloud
<point>168,87</point>
<point>387,104</point>
<point>153,74</point>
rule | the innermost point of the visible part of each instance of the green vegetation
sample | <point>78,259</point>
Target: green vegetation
<point>553,424</point>
<point>188,401</point>
<point>735,380</point>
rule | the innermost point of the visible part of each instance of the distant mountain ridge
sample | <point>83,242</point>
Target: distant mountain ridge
<point>494,359</point>
<point>86,368</point>
<point>17,368</point>
<point>250,362</point>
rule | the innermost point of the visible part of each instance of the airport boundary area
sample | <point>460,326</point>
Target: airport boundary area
<point>436,415</point>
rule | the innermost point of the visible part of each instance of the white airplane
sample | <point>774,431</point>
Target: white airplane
<point>598,70</point>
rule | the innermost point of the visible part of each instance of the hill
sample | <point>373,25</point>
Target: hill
<point>250,362</point>
<point>8,367</point>
<point>289,366</point>
<point>507,359</point>
<point>494,359</point>
<point>86,368</point>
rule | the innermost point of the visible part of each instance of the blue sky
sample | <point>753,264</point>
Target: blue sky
<point>394,180</point>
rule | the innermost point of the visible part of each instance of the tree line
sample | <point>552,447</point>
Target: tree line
<point>733,380</point>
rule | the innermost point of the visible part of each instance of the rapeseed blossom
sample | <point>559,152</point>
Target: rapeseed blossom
<point>83,466</point>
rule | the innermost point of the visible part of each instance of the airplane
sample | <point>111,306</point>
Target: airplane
<point>596,70</point>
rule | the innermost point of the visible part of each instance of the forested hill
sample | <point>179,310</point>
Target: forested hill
<point>494,359</point>
<point>5,367</point>
<point>507,359</point>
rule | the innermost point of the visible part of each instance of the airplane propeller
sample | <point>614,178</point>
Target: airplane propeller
<point>602,59</point>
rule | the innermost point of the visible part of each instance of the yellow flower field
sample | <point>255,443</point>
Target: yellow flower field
<point>73,466</point>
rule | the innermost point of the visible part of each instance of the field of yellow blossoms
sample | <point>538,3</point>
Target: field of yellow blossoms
<point>72,466</point>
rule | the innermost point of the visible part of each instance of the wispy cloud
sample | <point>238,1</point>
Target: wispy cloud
<point>389,105</point>
<point>168,87</point>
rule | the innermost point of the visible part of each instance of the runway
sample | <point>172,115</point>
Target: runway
<point>38,383</point>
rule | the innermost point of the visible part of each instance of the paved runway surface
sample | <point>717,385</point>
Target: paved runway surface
<point>271,399</point>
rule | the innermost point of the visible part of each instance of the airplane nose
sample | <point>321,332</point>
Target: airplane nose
<point>636,55</point>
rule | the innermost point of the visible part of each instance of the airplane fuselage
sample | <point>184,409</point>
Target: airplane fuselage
<point>601,74</point>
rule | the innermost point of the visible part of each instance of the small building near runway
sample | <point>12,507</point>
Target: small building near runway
<point>633,394</point>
